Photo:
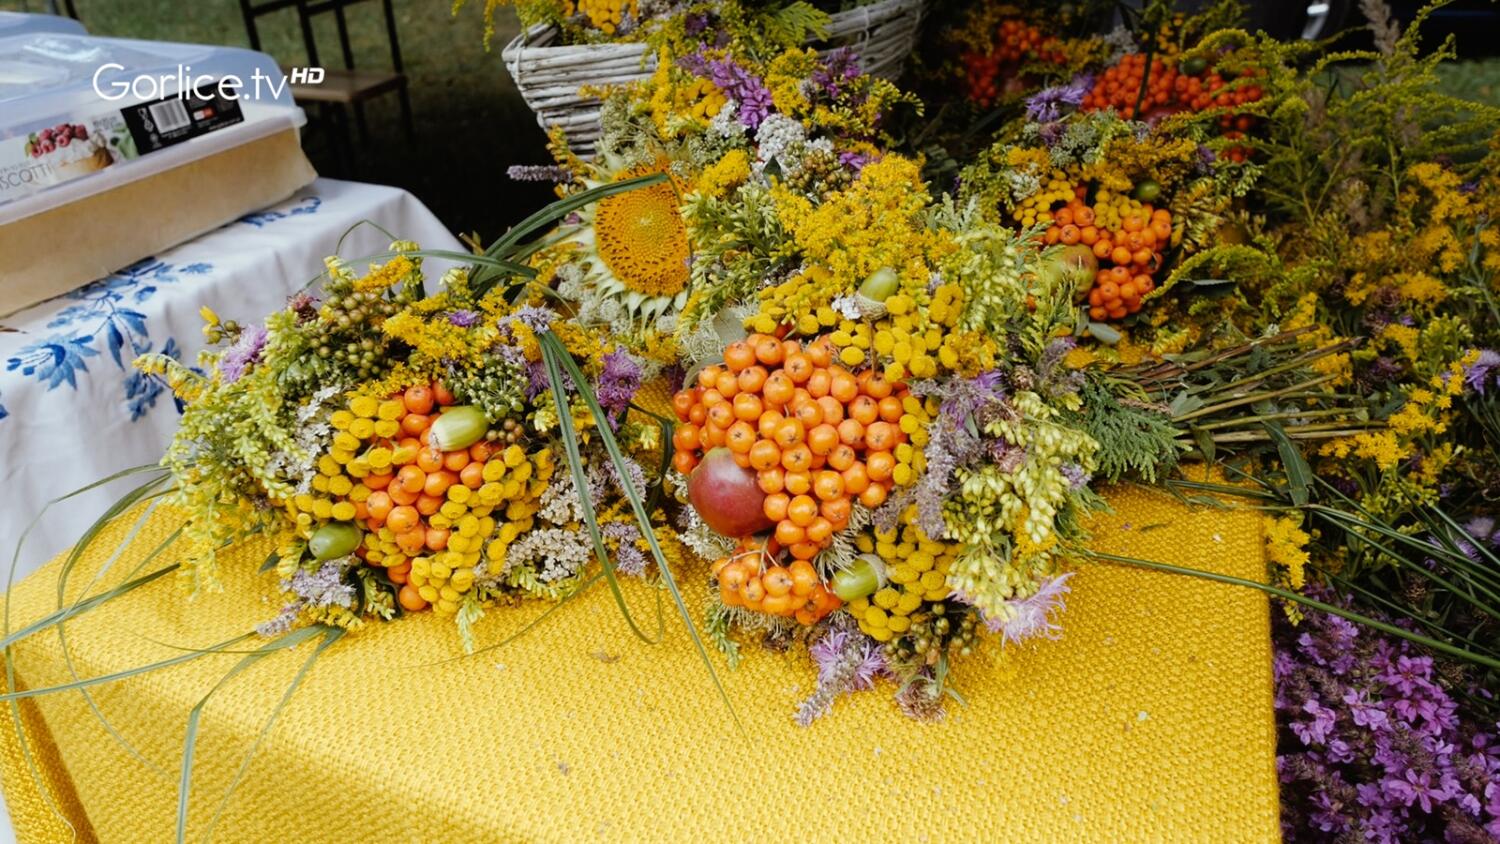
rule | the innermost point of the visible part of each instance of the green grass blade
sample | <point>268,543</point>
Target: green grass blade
<point>550,355</point>
<point>10,669</point>
<point>642,517</point>
<point>120,675</point>
<point>190,741</point>
<point>486,261</point>
<point>85,606</point>
<point>62,587</point>
<point>1397,609</point>
<point>563,207</point>
<point>1286,594</point>
<point>330,636</point>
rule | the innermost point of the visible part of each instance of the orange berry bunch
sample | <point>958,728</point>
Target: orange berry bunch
<point>817,435</point>
<point>427,512</point>
<point>1016,42</point>
<point>751,578</point>
<point>1128,246</point>
<point>1170,88</point>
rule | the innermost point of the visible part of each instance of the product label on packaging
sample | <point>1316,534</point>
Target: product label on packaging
<point>88,142</point>
<point>172,120</point>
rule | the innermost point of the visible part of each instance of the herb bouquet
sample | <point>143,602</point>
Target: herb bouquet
<point>753,356</point>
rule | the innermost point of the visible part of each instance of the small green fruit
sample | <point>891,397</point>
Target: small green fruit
<point>880,285</point>
<point>458,427</point>
<point>334,540</point>
<point>1148,191</point>
<point>863,577</point>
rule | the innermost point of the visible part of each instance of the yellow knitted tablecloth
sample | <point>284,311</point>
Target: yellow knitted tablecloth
<point>1151,719</point>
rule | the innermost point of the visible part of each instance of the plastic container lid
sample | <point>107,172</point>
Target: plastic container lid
<point>80,114</point>
<point>19,23</point>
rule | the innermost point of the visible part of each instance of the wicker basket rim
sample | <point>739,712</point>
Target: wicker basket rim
<point>534,39</point>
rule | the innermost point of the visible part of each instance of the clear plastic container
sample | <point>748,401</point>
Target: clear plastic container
<point>20,23</point>
<point>81,114</point>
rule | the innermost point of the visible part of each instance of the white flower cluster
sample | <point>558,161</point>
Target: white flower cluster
<point>782,140</point>
<point>311,437</point>
<point>594,308</point>
<point>726,124</point>
<point>555,553</point>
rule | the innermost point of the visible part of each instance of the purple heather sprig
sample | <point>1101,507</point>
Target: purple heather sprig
<point>835,70</point>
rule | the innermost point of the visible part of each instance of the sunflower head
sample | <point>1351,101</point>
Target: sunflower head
<point>640,237</point>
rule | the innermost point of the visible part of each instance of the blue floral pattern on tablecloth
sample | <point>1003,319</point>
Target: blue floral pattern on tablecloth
<point>306,205</point>
<point>105,319</point>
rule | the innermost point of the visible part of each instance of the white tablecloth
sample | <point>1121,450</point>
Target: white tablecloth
<point>73,411</point>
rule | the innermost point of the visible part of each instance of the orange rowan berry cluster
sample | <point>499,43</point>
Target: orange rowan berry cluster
<point>1171,87</point>
<point>751,578</point>
<point>1126,236</point>
<point>1016,43</point>
<point>817,435</point>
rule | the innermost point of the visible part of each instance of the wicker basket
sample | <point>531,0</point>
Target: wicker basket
<point>549,77</point>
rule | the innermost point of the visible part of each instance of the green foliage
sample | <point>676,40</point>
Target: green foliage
<point>793,23</point>
<point>716,626</point>
<point>1136,438</point>
<point>739,247</point>
<point>469,613</point>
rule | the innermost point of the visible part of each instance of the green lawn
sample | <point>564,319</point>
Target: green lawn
<point>471,123</point>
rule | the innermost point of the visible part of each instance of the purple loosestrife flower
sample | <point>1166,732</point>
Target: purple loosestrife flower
<point>1315,731</point>
<point>738,84</point>
<point>243,354</point>
<point>1033,616</point>
<point>1417,788</point>
<point>1477,374</point>
<point>835,70</point>
<point>854,161</point>
<point>1373,747</point>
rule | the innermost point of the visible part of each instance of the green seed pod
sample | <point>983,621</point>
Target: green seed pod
<point>863,577</point>
<point>458,427</point>
<point>334,540</point>
<point>880,285</point>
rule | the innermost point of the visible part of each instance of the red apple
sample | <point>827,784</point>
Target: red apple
<point>727,495</point>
